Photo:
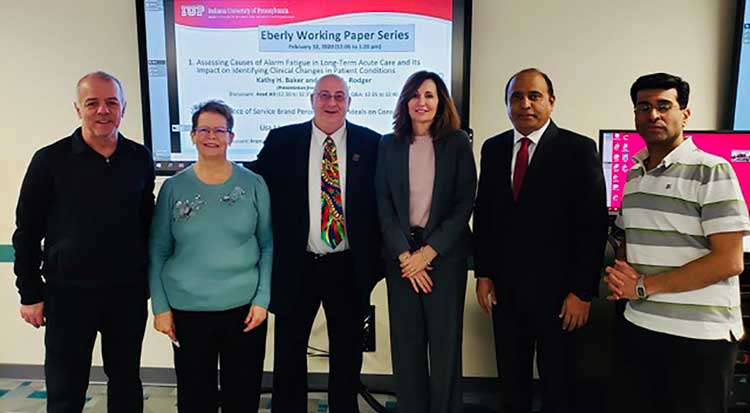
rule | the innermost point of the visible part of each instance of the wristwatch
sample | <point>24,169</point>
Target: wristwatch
<point>640,288</point>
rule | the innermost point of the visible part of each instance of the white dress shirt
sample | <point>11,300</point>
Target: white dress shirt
<point>534,137</point>
<point>315,243</point>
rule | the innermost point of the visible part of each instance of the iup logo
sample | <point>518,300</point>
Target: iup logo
<point>192,10</point>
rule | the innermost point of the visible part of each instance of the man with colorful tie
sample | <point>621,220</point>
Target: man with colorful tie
<point>320,175</point>
<point>540,225</point>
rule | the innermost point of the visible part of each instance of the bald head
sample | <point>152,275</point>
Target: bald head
<point>326,78</point>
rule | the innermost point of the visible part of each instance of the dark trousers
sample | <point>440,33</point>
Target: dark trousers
<point>74,316</point>
<point>517,335</point>
<point>661,373</point>
<point>216,336</point>
<point>329,280</point>
<point>425,325</point>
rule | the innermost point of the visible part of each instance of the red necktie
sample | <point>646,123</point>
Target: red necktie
<point>522,163</point>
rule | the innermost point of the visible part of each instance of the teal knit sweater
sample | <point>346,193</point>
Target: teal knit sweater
<point>211,246</point>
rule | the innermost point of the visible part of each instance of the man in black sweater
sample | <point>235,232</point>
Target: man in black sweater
<point>89,199</point>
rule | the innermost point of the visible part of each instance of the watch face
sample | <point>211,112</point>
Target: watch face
<point>640,291</point>
<point>640,288</point>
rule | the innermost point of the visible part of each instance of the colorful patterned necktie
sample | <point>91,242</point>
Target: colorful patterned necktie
<point>332,230</point>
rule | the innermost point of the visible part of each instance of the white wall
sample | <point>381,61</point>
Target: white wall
<point>592,50</point>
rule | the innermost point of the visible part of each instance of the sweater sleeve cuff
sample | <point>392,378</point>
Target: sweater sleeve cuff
<point>31,294</point>
<point>160,308</point>
<point>32,298</point>
<point>262,300</point>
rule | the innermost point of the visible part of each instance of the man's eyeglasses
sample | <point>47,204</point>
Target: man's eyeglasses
<point>661,107</point>
<point>325,96</point>
<point>218,132</point>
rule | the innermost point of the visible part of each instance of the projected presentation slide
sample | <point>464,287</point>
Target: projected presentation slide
<point>618,148</point>
<point>263,58</point>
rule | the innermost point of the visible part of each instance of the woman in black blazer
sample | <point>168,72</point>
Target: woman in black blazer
<point>425,184</point>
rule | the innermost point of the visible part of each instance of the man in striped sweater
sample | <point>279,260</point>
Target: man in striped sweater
<point>684,218</point>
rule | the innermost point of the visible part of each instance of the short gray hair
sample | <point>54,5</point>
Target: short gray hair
<point>335,76</point>
<point>99,74</point>
<point>213,106</point>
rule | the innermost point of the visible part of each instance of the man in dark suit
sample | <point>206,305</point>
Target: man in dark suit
<point>540,224</point>
<point>320,175</point>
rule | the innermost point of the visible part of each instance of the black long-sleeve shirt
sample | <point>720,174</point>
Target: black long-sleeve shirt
<point>92,213</point>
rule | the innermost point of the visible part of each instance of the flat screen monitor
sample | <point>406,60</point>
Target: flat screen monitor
<point>617,148</point>
<point>740,119</point>
<point>263,58</point>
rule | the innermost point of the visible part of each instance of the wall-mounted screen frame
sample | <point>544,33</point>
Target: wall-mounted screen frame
<point>262,58</point>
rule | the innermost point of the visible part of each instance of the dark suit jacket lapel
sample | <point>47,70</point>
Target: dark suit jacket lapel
<point>301,163</point>
<point>353,169</point>
<point>549,135</point>
<point>401,173</point>
<point>440,173</point>
<point>505,164</point>
<point>538,165</point>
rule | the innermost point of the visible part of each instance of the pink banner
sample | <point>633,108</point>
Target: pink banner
<point>246,14</point>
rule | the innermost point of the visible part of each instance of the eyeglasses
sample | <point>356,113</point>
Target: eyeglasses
<point>325,96</point>
<point>218,132</point>
<point>661,107</point>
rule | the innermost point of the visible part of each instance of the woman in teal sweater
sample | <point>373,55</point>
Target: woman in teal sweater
<point>211,250</point>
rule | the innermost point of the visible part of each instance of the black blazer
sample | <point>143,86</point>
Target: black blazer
<point>283,163</point>
<point>447,229</point>
<point>551,241</point>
